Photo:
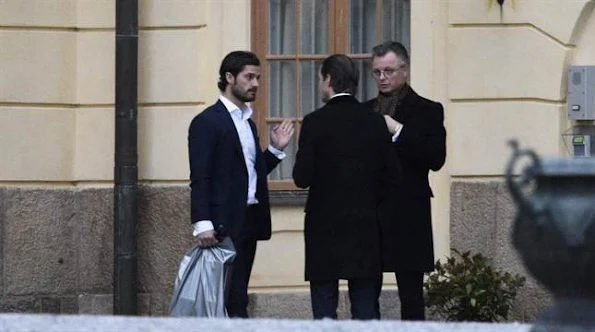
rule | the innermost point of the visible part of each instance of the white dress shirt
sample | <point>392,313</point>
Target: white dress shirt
<point>240,120</point>
<point>397,131</point>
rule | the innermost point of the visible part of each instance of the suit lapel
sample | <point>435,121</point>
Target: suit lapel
<point>256,142</point>
<point>253,128</point>
<point>405,108</point>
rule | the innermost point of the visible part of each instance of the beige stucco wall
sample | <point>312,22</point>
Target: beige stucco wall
<point>180,46</point>
<point>497,76</point>
<point>59,85</point>
<point>58,56</point>
<point>507,78</point>
<point>429,78</point>
<point>58,88</point>
<point>507,73</point>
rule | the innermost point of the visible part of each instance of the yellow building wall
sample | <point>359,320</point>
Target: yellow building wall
<point>507,78</point>
<point>497,76</point>
<point>58,83</point>
<point>57,98</point>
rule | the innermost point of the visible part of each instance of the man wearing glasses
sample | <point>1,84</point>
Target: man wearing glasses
<point>419,138</point>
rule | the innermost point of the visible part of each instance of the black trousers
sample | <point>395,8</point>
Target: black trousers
<point>245,245</point>
<point>362,295</point>
<point>411,294</point>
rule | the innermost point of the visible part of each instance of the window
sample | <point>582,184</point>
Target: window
<point>292,37</point>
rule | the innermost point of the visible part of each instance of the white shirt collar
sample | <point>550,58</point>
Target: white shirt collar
<point>340,94</point>
<point>246,112</point>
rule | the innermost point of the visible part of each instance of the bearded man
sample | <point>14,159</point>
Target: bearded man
<point>228,172</point>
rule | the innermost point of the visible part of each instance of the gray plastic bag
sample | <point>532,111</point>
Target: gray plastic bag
<point>201,286</point>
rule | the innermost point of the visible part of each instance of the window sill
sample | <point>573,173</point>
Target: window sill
<point>288,197</point>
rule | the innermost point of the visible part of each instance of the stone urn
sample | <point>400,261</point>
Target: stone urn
<point>554,233</point>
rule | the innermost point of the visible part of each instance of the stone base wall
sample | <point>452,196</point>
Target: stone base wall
<point>57,250</point>
<point>57,254</point>
<point>481,217</point>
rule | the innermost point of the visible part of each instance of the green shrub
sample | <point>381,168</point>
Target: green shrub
<point>468,288</point>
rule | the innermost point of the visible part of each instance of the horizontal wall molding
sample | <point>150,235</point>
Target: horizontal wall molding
<point>512,26</point>
<point>477,178</point>
<point>509,100</point>
<point>98,29</point>
<point>58,105</point>
<point>88,184</point>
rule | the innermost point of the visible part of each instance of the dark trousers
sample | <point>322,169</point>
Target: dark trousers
<point>411,294</point>
<point>245,245</point>
<point>362,295</point>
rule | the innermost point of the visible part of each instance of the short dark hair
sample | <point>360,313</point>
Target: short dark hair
<point>234,63</point>
<point>343,72</point>
<point>391,46</point>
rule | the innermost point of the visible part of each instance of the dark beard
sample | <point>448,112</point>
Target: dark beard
<point>243,97</point>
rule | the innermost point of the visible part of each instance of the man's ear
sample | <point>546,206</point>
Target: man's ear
<point>229,78</point>
<point>406,71</point>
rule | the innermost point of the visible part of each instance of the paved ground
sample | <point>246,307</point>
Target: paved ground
<point>82,323</point>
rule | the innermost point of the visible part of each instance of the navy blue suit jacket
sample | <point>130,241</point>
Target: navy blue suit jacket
<point>219,179</point>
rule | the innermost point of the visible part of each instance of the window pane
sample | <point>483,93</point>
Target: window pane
<point>314,26</point>
<point>362,27</point>
<point>282,89</point>
<point>366,89</point>
<point>310,98</point>
<point>396,20</point>
<point>284,169</point>
<point>282,26</point>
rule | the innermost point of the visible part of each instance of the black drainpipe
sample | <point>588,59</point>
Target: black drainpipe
<point>126,170</point>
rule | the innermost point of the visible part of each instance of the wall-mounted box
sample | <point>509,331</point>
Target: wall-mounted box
<point>581,93</point>
<point>580,140</point>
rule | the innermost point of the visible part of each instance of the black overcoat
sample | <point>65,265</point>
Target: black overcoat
<point>406,226</point>
<point>346,161</point>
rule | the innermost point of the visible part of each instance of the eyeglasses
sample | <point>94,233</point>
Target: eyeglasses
<point>388,72</point>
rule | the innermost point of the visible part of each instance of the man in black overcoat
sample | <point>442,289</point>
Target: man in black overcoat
<point>346,161</point>
<point>419,139</point>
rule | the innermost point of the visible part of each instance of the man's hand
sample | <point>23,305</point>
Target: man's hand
<point>207,239</point>
<point>281,134</point>
<point>391,124</point>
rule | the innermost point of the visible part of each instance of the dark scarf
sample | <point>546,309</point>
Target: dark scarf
<point>386,103</point>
